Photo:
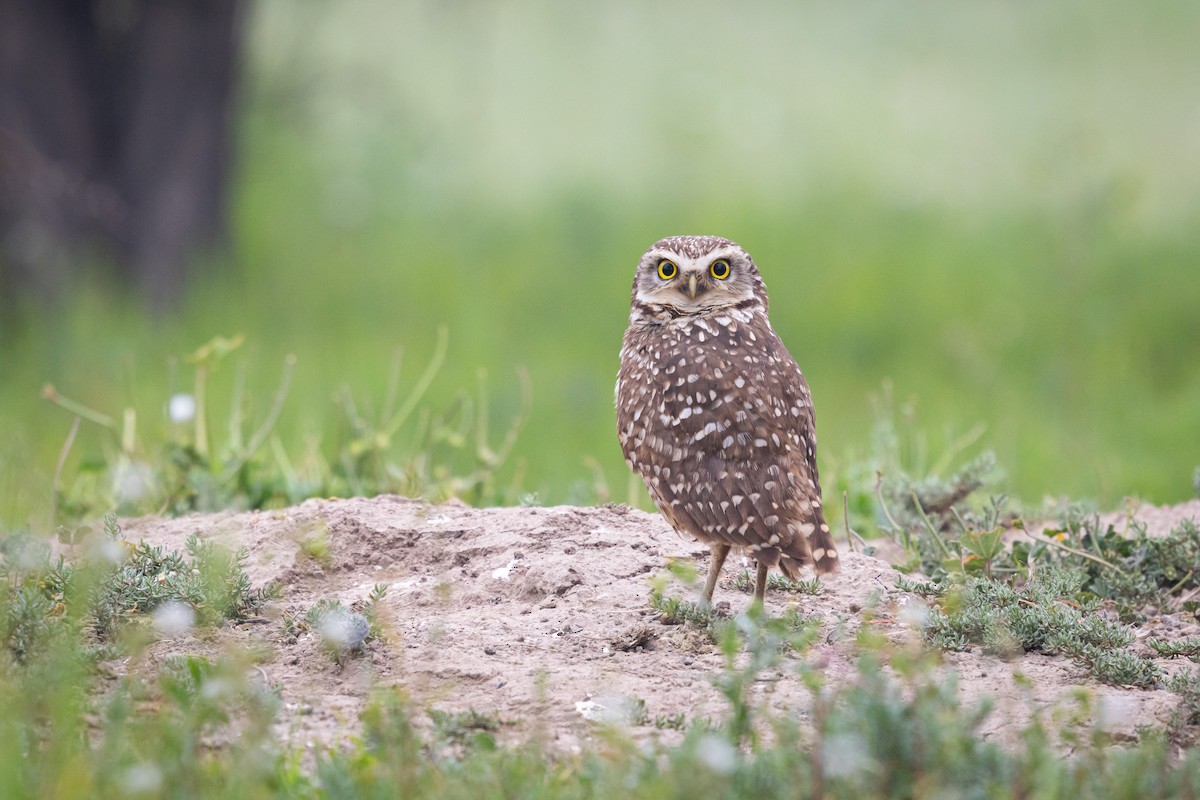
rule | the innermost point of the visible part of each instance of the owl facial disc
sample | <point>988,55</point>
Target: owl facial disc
<point>690,275</point>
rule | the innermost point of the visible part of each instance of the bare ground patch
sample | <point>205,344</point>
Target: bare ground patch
<point>540,617</point>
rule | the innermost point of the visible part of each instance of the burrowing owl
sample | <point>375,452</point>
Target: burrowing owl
<point>715,415</point>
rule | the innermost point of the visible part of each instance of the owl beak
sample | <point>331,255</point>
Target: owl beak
<point>692,286</point>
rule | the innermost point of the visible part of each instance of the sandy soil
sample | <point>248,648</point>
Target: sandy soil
<point>541,616</point>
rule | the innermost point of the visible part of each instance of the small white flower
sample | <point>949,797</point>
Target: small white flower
<point>217,689</point>
<point>181,408</point>
<point>174,618</point>
<point>344,630</point>
<point>141,779</point>
<point>132,480</point>
<point>717,753</point>
<point>109,550</point>
<point>844,755</point>
<point>914,614</point>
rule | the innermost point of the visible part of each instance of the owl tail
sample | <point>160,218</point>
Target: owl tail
<point>816,549</point>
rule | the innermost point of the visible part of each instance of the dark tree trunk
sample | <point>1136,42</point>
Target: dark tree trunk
<point>115,139</point>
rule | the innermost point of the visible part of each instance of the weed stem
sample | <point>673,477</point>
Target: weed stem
<point>1081,553</point>
<point>929,527</point>
<point>260,436</point>
<point>883,506</point>
<point>414,397</point>
<point>78,409</point>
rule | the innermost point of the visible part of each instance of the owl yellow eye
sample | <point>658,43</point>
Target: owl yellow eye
<point>667,269</point>
<point>719,269</point>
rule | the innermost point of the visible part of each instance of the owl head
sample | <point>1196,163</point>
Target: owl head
<point>696,276</point>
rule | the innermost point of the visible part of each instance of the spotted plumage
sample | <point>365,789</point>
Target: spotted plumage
<point>714,414</point>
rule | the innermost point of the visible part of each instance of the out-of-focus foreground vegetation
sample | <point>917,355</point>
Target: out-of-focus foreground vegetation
<point>992,208</point>
<point>92,711</point>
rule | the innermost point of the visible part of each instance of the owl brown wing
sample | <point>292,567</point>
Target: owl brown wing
<point>749,475</point>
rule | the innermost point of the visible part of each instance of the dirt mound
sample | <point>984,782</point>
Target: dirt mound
<point>541,616</point>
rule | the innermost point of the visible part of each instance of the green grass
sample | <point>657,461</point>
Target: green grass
<point>991,211</point>
<point>200,727</point>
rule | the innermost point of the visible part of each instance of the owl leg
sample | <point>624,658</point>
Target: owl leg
<point>719,552</point>
<point>760,586</point>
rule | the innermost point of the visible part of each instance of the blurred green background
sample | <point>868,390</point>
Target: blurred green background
<point>990,207</point>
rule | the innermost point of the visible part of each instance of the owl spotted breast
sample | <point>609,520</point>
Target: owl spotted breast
<point>714,414</point>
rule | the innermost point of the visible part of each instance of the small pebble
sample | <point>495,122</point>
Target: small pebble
<point>491,651</point>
